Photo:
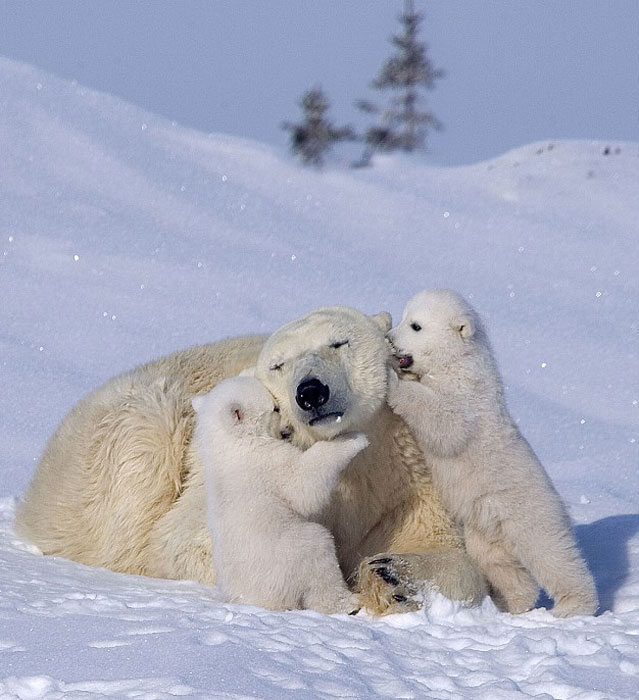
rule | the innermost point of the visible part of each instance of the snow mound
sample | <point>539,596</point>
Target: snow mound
<point>123,236</point>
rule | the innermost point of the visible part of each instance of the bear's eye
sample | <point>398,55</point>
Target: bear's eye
<point>276,366</point>
<point>339,344</point>
<point>276,409</point>
<point>415,326</point>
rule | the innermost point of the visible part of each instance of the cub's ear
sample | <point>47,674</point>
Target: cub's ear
<point>383,320</point>
<point>465,326</point>
<point>236,412</point>
<point>197,402</point>
<point>248,372</point>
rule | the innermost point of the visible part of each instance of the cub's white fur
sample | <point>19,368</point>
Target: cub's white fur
<point>262,494</point>
<point>515,526</point>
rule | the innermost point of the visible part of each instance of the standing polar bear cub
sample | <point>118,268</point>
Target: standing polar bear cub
<point>269,554</point>
<point>515,525</point>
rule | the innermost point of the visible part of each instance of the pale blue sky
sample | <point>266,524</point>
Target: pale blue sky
<point>517,70</point>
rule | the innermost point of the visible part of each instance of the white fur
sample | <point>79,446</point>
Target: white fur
<point>262,494</point>
<point>515,526</point>
<point>120,484</point>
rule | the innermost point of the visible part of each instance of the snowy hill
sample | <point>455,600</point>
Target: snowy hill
<point>123,236</point>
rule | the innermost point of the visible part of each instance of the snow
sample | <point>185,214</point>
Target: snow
<point>124,236</point>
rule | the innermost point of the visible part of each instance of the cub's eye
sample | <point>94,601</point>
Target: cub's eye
<point>415,326</point>
<point>339,344</point>
<point>276,409</point>
<point>276,366</point>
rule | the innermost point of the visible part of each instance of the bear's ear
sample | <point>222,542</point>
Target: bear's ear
<point>248,372</point>
<point>465,326</point>
<point>383,320</point>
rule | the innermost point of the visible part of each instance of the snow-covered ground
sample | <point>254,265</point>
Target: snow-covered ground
<point>123,236</point>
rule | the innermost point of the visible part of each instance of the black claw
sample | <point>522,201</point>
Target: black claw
<point>387,576</point>
<point>399,598</point>
<point>383,560</point>
<point>354,612</point>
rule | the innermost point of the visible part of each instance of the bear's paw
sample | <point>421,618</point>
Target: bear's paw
<point>386,585</point>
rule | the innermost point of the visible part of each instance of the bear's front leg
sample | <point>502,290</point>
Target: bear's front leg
<point>389,583</point>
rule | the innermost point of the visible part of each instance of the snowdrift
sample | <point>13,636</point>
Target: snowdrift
<point>124,236</point>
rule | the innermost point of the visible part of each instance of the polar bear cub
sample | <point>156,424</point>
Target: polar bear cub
<point>516,527</point>
<point>262,496</point>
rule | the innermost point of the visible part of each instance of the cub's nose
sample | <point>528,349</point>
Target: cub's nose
<point>405,361</point>
<point>311,394</point>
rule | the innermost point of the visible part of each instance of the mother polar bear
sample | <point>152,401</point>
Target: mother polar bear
<point>120,486</point>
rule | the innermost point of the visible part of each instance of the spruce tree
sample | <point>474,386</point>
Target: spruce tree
<point>404,123</point>
<point>312,138</point>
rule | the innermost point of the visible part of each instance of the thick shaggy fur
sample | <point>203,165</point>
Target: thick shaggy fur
<point>270,554</point>
<point>107,486</point>
<point>515,526</point>
<point>120,485</point>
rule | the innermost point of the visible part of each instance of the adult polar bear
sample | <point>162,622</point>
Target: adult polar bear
<point>120,486</point>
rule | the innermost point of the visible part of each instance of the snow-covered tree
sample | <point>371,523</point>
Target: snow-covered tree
<point>314,136</point>
<point>404,123</point>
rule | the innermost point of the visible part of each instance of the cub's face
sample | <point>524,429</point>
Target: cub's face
<point>327,372</point>
<point>436,329</point>
<point>239,406</point>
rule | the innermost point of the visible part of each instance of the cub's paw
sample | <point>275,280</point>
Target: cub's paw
<point>386,585</point>
<point>331,602</point>
<point>355,441</point>
<point>575,604</point>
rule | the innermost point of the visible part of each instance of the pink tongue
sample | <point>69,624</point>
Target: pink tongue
<point>405,361</point>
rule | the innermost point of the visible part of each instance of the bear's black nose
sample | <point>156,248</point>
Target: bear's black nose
<point>311,394</point>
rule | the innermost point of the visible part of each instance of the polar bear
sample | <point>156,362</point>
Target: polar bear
<point>516,527</point>
<point>271,554</point>
<point>120,486</point>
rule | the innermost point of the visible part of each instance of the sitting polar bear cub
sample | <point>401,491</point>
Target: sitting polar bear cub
<point>261,493</point>
<point>515,525</point>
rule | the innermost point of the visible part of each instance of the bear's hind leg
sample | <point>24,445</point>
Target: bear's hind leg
<point>325,591</point>
<point>110,471</point>
<point>513,589</point>
<point>180,542</point>
<point>551,554</point>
